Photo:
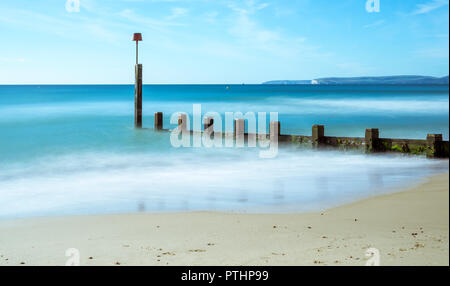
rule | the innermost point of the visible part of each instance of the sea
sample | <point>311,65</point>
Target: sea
<point>74,150</point>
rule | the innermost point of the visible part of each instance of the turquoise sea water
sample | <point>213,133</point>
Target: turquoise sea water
<point>73,149</point>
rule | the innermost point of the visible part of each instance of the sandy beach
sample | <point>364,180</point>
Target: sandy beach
<point>410,227</point>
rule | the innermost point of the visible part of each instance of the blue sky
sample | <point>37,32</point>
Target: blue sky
<point>220,41</point>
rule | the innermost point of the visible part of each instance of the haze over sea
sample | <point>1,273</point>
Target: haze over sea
<point>68,150</point>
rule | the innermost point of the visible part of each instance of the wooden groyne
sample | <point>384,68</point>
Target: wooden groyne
<point>433,146</point>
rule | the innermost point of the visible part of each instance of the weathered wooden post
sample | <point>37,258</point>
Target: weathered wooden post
<point>239,132</point>
<point>239,127</point>
<point>318,135</point>
<point>372,138</point>
<point>274,128</point>
<point>138,97</point>
<point>434,146</point>
<point>208,125</point>
<point>182,122</point>
<point>158,121</point>
<point>208,122</point>
<point>138,86</point>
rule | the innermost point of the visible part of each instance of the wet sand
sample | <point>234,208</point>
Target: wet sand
<point>410,227</point>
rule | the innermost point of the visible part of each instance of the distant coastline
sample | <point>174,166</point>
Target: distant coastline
<point>379,80</point>
<point>369,80</point>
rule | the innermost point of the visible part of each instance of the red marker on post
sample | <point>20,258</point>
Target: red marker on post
<point>138,86</point>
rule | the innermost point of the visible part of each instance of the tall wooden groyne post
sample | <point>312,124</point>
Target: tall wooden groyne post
<point>138,97</point>
<point>137,37</point>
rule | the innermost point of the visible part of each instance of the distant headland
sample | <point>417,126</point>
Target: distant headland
<point>378,80</point>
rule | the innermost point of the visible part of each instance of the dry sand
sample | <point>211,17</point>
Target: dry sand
<point>408,228</point>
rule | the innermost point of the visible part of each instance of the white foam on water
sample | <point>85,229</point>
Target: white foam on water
<point>381,105</point>
<point>203,179</point>
<point>281,104</point>
<point>51,110</point>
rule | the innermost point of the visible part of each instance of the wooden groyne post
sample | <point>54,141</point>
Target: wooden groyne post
<point>318,136</point>
<point>274,130</point>
<point>138,97</point>
<point>435,146</point>
<point>137,37</point>
<point>239,132</point>
<point>182,122</point>
<point>372,138</point>
<point>208,125</point>
<point>158,121</point>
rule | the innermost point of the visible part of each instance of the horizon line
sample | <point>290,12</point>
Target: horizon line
<point>232,84</point>
<point>242,83</point>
